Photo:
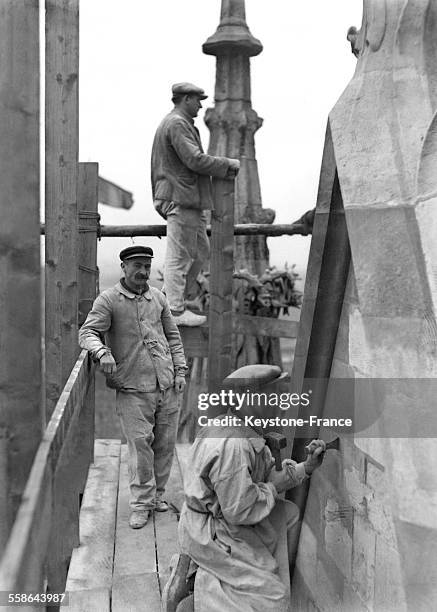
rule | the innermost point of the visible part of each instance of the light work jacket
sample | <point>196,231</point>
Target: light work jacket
<point>225,526</point>
<point>181,171</point>
<point>141,334</point>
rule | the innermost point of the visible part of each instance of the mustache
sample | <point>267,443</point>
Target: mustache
<point>141,277</point>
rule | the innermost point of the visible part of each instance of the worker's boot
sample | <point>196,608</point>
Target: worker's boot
<point>180,585</point>
<point>138,518</point>
<point>160,504</point>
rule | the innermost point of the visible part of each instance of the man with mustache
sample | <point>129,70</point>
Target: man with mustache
<point>132,333</point>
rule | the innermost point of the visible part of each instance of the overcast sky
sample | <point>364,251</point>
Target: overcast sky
<point>131,51</point>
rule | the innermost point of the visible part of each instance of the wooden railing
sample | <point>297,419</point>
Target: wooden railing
<point>46,527</point>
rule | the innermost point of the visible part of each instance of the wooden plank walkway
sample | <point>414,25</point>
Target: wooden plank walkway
<point>117,568</point>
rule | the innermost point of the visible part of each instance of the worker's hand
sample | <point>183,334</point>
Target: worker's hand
<point>107,363</point>
<point>234,167</point>
<point>315,450</point>
<point>179,383</point>
<point>282,480</point>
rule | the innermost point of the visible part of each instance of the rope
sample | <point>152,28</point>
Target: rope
<point>89,214</point>
<point>90,270</point>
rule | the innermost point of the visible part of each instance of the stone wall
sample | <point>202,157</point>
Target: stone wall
<point>369,535</point>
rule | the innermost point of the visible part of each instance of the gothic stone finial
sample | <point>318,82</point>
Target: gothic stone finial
<point>232,33</point>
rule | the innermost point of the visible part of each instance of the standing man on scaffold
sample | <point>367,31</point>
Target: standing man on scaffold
<point>181,187</point>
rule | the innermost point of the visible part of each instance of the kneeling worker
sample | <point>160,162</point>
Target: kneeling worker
<point>132,333</point>
<point>225,527</point>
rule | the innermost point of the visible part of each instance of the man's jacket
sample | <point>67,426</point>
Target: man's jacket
<point>140,332</point>
<point>181,171</point>
<point>225,524</point>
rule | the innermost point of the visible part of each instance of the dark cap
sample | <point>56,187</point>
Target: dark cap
<point>187,89</point>
<point>136,251</point>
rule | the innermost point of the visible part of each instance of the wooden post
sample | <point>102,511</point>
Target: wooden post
<point>222,267</point>
<point>20,294</point>
<point>61,244</point>
<point>4,527</point>
<point>87,201</point>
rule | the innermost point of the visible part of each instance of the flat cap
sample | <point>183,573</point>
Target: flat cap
<point>252,376</point>
<point>188,88</point>
<point>136,251</point>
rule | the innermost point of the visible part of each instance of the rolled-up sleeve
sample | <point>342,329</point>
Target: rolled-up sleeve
<point>97,323</point>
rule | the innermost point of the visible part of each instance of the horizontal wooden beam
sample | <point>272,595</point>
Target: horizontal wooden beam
<point>195,339</point>
<point>265,326</point>
<point>247,229</point>
<point>25,554</point>
<point>114,195</point>
<point>244,229</point>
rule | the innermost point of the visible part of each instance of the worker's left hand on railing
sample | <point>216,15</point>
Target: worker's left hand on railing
<point>107,363</point>
<point>179,383</point>
<point>315,450</point>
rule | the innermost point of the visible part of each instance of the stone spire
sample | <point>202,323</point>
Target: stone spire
<point>233,123</point>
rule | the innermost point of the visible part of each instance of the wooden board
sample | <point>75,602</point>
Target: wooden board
<point>135,580</point>
<point>23,561</point>
<point>142,557</point>
<point>195,339</point>
<point>92,562</point>
<point>20,271</point>
<point>134,548</point>
<point>220,286</point>
<point>166,524</point>
<point>61,157</point>
<point>166,533</point>
<point>174,493</point>
<point>98,600</point>
<point>264,326</point>
<point>136,593</point>
<point>183,454</point>
<point>113,195</point>
<point>87,181</point>
<point>242,229</point>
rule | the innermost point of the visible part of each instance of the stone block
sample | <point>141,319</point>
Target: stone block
<point>355,485</point>
<point>363,560</point>
<point>329,593</point>
<point>417,546</point>
<point>350,601</point>
<point>338,540</point>
<point>306,561</point>
<point>376,448</point>
<point>389,589</point>
<point>387,286</point>
<point>415,483</point>
<point>379,508</point>
<point>391,347</point>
